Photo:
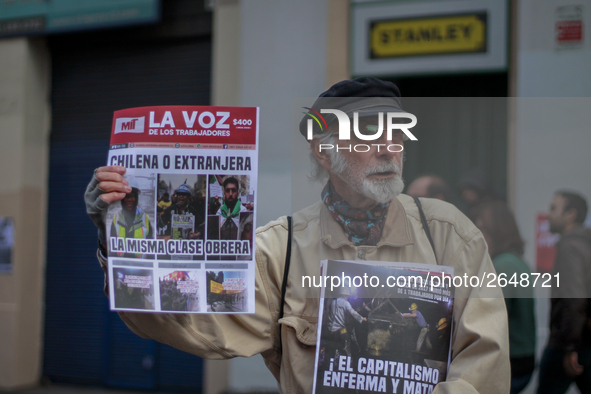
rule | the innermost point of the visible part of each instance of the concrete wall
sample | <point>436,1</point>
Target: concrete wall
<point>24,137</point>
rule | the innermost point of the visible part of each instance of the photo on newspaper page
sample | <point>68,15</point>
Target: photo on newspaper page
<point>183,240</point>
<point>383,327</point>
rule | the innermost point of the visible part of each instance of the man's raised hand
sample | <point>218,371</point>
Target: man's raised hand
<point>106,186</point>
<point>111,183</point>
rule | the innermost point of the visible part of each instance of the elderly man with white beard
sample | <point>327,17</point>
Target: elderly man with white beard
<point>361,216</point>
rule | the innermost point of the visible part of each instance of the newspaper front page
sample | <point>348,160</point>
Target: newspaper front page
<point>183,240</point>
<point>383,327</point>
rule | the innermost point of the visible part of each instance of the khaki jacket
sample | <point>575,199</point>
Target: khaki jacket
<point>480,348</point>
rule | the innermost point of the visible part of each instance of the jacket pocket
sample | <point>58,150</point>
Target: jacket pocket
<point>304,330</point>
<point>298,341</point>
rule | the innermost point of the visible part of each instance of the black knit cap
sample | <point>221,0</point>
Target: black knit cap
<point>362,87</point>
<point>365,95</point>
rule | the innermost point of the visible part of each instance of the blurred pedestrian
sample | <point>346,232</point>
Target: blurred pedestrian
<point>567,357</point>
<point>505,247</point>
<point>430,186</point>
<point>475,189</point>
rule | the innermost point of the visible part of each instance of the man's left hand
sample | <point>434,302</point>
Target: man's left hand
<point>106,186</point>
<point>571,364</point>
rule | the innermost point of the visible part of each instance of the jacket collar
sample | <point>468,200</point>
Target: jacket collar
<point>397,230</point>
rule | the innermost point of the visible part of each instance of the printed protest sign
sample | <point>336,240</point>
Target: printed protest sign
<point>391,338</point>
<point>190,215</point>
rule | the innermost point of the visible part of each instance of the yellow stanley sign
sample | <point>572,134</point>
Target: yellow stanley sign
<point>216,287</point>
<point>428,36</point>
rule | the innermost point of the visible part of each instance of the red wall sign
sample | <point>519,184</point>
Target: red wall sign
<point>545,244</point>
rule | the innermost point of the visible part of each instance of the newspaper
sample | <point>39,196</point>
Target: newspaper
<point>183,240</point>
<point>386,327</point>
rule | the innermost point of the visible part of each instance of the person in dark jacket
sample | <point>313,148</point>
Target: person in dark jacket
<point>567,357</point>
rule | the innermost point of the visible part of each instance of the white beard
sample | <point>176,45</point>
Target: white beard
<point>380,190</point>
